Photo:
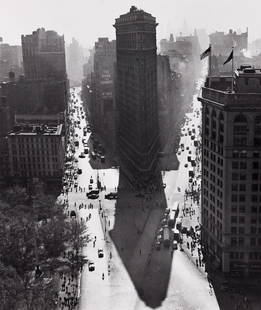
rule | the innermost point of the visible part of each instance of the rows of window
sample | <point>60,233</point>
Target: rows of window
<point>242,255</point>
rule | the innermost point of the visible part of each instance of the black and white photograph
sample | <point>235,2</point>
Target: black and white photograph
<point>130,155</point>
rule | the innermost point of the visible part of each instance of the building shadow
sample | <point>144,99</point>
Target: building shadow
<point>138,218</point>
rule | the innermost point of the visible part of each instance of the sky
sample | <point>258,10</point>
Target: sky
<point>86,20</point>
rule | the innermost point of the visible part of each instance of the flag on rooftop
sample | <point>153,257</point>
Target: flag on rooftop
<point>206,53</point>
<point>230,57</point>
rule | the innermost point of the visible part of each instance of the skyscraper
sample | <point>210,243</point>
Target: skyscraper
<point>231,171</point>
<point>138,133</point>
<point>44,55</point>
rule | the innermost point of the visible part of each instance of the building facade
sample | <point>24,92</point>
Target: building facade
<point>102,84</point>
<point>44,55</point>
<point>231,171</point>
<point>10,60</point>
<point>138,130</point>
<point>36,152</point>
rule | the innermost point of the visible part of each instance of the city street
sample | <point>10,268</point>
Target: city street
<point>117,276</point>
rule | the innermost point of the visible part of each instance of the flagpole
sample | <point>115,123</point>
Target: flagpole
<point>232,80</point>
<point>210,63</point>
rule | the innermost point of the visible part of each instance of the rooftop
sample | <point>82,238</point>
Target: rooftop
<point>246,88</point>
<point>135,15</point>
<point>34,130</point>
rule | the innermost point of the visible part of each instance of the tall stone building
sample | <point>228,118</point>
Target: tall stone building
<point>45,71</point>
<point>102,108</point>
<point>74,62</point>
<point>44,55</point>
<point>138,130</point>
<point>231,171</point>
<point>10,60</point>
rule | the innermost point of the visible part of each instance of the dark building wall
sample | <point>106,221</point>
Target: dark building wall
<point>35,96</point>
<point>138,132</point>
<point>43,55</point>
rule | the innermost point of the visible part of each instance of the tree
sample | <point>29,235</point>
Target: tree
<point>34,233</point>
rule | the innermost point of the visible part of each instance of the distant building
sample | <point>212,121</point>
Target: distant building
<point>39,119</point>
<point>231,171</point>
<point>102,103</point>
<point>44,88</point>
<point>6,120</point>
<point>221,43</point>
<point>35,96</point>
<point>165,98</point>
<point>10,60</point>
<point>138,130</point>
<point>44,55</point>
<point>74,62</point>
<point>36,152</point>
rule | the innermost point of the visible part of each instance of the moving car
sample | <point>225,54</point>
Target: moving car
<point>175,245</point>
<point>100,253</point>
<point>91,266</point>
<point>72,214</point>
<point>82,155</point>
<point>79,171</point>
<point>93,192</point>
<point>111,196</point>
<point>86,151</point>
<point>157,245</point>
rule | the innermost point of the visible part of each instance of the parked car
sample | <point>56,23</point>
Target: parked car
<point>79,171</point>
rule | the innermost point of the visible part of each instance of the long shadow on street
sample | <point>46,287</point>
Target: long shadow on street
<point>137,222</point>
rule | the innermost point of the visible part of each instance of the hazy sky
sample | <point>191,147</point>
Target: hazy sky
<point>86,20</point>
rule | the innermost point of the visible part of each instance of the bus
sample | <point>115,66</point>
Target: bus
<point>174,210</point>
<point>166,237</point>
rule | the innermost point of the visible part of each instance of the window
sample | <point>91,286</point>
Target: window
<point>233,230</point>
<point>254,209</point>
<point>241,219</point>
<point>252,241</point>
<point>234,198</point>
<point>242,209</point>
<point>240,130</point>
<point>242,176</point>
<point>241,241</point>
<point>241,230</point>
<point>234,176</point>
<point>234,187</point>
<point>233,219</point>
<point>255,165</point>
<point>242,187</point>
<point>242,198</point>
<point>233,241</point>
<point>235,164</point>
<point>243,165</point>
